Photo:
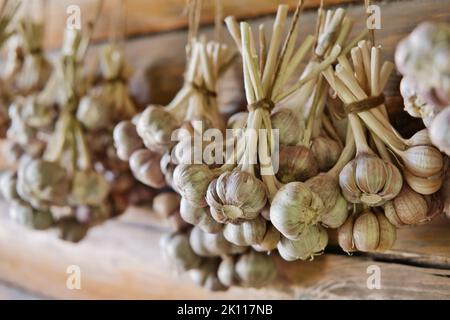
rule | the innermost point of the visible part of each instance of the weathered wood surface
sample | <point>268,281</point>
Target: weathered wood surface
<point>121,260</point>
<point>146,17</point>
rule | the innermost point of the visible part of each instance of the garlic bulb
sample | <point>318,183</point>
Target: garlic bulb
<point>155,127</point>
<point>290,126</point>
<point>126,140</point>
<point>270,240</point>
<point>246,233</point>
<point>177,250</point>
<point>167,168</point>
<point>192,182</point>
<point>93,112</point>
<point>414,105</point>
<point>297,163</point>
<point>294,208</point>
<point>440,131</point>
<point>310,243</point>
<point>88,188</point>
<point>370,180</point>
<point>326,186</point>
<point>212,244</point>
<point>166,203</point>
<point>25,215</point>
<point>144,165</point>
<point>408,208</point>
<point>42,183</point>
<point>326,152</point>
<point>205,275</point>
<point>255,269</point>
<point>236,196</point>
<point>200,217</point>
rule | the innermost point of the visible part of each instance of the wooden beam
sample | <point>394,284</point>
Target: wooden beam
<point>145,17</point>
<point>122,260</point>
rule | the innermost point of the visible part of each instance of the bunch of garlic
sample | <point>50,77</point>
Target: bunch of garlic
<point>422,58</point>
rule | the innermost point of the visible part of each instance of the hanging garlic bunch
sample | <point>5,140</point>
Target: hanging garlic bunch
<point>422,58</point>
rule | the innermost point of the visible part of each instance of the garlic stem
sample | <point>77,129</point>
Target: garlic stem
<point>275,42</point>
<point>262,47</point>
<point>233,28</point>
<point>347,154</point>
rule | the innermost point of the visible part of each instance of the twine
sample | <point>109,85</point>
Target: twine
<point>364,105</point>
<point>265,103</point>
<point>203,90</point>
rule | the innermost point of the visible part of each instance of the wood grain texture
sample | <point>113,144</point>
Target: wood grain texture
<point>121,260</point>
<point>146,17</point>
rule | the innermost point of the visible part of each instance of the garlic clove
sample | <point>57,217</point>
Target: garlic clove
<point>348,184</point>
<point>212,244</point>
<point>345,235</point>
<point>425,186</point>
<point>370,175</point>
<point>246,233</point>
<point>126,140</point>
<point>270,240</point>
<point>420,138</point>
<point>366,232</point>
<point>337,216</point>
<point>423,161</point>
<point>192,182</point>
<point>294,207</point>
<point>166,203</point>
<point>394,183</point>
<point>145,166</point>
<point>310,243</point>
<point>387,232</point>
<point>227,273</point>
<point>200,217</point>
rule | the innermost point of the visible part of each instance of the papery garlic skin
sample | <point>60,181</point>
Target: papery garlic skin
<point>423,161</point>
<point>310,243</point>
<point>294,208</point>
<point>236,196</point>
<point>88,188</point>
<point>25,215</point>
<point>8,185</point>
<point>270,240</point>
<point>425,186</point>
<point>227,272</point>
<point>408,208</point>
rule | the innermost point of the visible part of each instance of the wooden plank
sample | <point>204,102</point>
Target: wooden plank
<point>144,17</point>
<point>10,292</point>
<point>120,261</point>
